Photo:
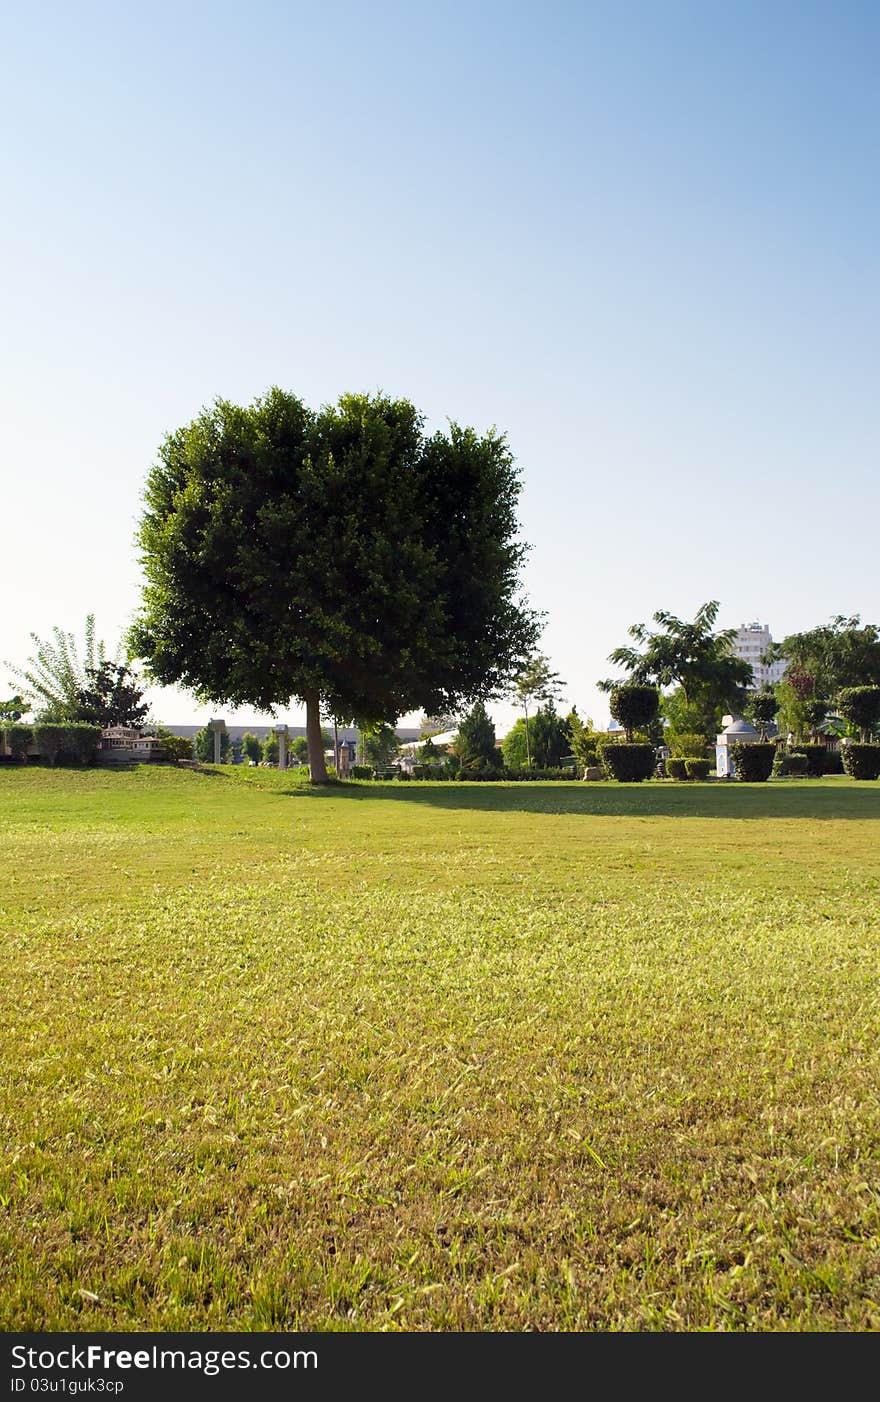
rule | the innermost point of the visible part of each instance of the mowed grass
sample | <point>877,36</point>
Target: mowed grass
<point>438,1057</point>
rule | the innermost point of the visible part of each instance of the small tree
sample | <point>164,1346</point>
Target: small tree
<point>203,744</point>
<point>634,707</point>
<point>762,710</point>
<point>860,705</point>
<point>13,709</point>
<point>175,746</point>
<point>534,682</point>
<point>815,715</point>
<point>475,741</point>
<point>271,748</point>
<point>381,745</point>
<point>251,746</point>
<point>112,696</point>
<point>299,748</point>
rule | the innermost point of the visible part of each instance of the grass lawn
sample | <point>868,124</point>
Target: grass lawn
<point>438,1056</point>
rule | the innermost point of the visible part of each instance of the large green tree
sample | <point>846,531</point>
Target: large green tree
<point>842,653</point>
<point>342,557</point>
<point>691,657</point>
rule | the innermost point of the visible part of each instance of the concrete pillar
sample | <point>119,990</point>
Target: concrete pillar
<point>218,727</point>
<point>282,733</point>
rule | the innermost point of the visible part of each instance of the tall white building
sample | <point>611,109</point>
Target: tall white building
<point>750,643</point>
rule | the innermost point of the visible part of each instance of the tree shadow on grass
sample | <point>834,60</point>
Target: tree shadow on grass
<point>799,800</point>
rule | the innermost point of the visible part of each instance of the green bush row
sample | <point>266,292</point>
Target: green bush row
<point>678,767</point>
<point>76,743</point>
<point>525,776</point>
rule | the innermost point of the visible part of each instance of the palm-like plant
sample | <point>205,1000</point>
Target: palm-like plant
<point>59,670</point>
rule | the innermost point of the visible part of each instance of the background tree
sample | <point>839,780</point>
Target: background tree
<point>381,745</point>
<point>299,748</point>
<point>436,725</point>
<point>691,657</point>
<point>342,557</point>
<point>112,695</point>
<point>13,709</point>
<point>271,748</point>
<point>583,740</point>
<point>762,709</point>
<point>860,705</point>
<point>842,653</point>
<point>634,707</point>
<point>534,682</point>
<point>59,670</point>
<point>475,741</point>
<point>251,746</point>
<point>203,745</point>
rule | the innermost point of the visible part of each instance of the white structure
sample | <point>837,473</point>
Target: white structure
<point>750,643</point>
<point>732,734</point>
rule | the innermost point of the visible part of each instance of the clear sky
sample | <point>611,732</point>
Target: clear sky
<point>640,237</point>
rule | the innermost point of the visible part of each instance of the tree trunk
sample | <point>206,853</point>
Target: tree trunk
<point>317,766</point>
<point>336,745</point>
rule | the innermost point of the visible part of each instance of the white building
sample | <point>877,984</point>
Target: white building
<point>750,643</point>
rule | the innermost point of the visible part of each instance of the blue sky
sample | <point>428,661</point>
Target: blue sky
<point>641,238</point>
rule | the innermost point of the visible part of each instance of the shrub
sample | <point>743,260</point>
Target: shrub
<point>404,776</point>
<point>752,761</point>
<point>792,765</point>
<point>18,737</point>
<point>697,769</point>
<point>676,767</point>
<point>817,759</point>
<point>516,776</point>
<point>833,762</point>
<point>629,764</point>
<point>175,746</point>
<point>862,761</point>
<point>687,746</point>
<point>361,771</point>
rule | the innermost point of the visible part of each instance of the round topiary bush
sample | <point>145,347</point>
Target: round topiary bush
<point>862,761</point>
<point>752,761</point>
<point>697,769</point>
<point>676,768</point>
<point>629,764</point>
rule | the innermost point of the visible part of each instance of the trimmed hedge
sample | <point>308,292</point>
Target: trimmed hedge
<point>70,742</point>
<point>18,737</point>
<point>629,763</point>
<point>833,762</point>
<point>515,776</point>
<point>862,761</point>
<point>752,761</point>
<point>361,771</point>
<point>816,756</point>
<point>697,769</point>
<point>793,765</point>
<point>676,767</point>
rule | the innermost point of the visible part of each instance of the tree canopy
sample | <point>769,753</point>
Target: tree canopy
<point>691,656</point>
<point>341,556</point>
<point>59,670</point>
<point>842,653</point>
<point>112,695</point>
